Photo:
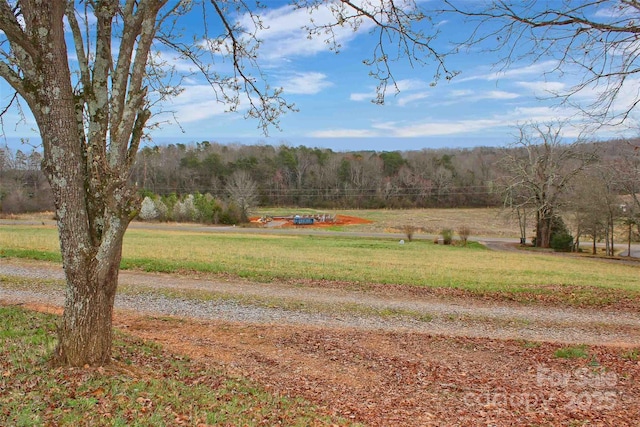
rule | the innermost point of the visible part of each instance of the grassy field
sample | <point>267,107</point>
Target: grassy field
<point>265,257</point>
<point>144,386</point>
<point>147,385</point>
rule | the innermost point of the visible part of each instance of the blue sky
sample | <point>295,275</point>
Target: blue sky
<point>333,92</point>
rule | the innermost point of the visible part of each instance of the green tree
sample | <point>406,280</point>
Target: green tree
<point>392,162</point>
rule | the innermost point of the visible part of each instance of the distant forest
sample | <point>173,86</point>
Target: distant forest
<point>301,176</point>
<point>322,178</point>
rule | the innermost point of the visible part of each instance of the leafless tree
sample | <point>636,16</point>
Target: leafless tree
<point>92,114</point>
<point>517,200</point>
<point>628,173</point>
<point>595,40</point>
<point>464,232</point>
<point>243,191</point>
<point>538,170</point>
<point>594,200</point>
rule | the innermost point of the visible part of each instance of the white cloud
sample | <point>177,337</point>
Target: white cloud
<point>413,90</point>
<point>406,85</point>
<point>628,94</point>
<point>445,127</point>
<point>620,11</point>
<point>410,85</point>
<point>189,113</point>
<point>441,23</point>
<point>468,96</point>
<point>542,87</point>
<point>403,86</point>
<point>196,102</point>
<point>283,32</point>
<point>540,114</point>
<point>499,94</point>
<point>590,96</point>
<point>459,93</point>
<point>343,133</point>
<point>538,69</point>
<point>441,127</point>
<point>385,125</point>
<point>308,83</point>
<point>362,96</point>
<point>408,99</point>
<point>429,127</point>
<point>173,59</point>
<point>418,129</point>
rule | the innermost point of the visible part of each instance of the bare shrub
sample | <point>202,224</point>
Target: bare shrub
<point>464,232</point>
<point>409,231</point>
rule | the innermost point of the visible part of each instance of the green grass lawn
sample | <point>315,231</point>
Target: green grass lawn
<point>145,386</point>
<point>264,257</point>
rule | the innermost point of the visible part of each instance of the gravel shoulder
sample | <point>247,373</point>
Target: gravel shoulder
<point>331,306</point>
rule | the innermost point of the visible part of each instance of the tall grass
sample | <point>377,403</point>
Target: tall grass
<point>267,257</point>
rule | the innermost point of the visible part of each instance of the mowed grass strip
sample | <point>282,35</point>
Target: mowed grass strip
<point>265,257</point>
<point>146,386</point>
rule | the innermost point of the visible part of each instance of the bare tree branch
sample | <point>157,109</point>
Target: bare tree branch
<point>394,24</point>
<point>597,39</point>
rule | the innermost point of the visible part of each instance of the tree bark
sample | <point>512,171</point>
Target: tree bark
<point>86,331</point>
<point>92,207</point>
<point>543,230</point>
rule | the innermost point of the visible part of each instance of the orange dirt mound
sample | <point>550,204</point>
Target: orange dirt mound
<point>349,220</point>
<point>339,220</point>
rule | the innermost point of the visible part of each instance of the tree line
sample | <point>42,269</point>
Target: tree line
<point>321,178</point>
<point>590,185</point>
<point>284,176</point>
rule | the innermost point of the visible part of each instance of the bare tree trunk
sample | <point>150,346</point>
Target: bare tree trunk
<point>86,330</point>
<point>91,245</point>
<point>544,234</point>
<point>543,230</point>
<point>611,235</point>
<point>90,233</point>
<point>522,222</point>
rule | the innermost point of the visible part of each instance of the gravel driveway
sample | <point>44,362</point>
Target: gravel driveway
<point>269,303</point>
